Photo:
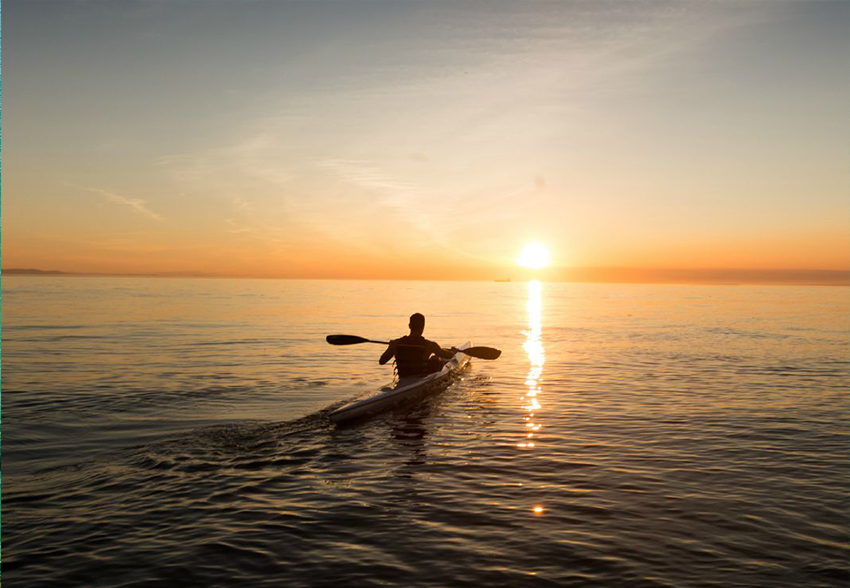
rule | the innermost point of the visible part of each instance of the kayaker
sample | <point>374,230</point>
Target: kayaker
<point>414,354</point>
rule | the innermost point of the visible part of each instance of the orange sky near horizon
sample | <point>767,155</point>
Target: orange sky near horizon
<point>413,140</point>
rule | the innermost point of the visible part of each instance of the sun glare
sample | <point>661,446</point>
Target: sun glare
<point>534,256</point>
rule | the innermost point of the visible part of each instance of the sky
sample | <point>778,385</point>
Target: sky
<point>424,139</point>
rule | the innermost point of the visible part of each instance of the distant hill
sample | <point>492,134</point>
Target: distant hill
<point>38,272</point>
<point>33,272</point>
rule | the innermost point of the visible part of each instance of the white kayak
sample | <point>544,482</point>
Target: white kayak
<point>403,390</point>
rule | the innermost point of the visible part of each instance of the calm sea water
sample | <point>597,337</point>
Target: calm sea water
<point>174,432</point>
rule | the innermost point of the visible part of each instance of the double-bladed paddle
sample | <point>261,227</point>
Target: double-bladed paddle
<point>479,352</point>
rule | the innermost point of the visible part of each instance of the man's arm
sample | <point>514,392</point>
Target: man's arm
<point>388,354</point>
<point>440,352</point>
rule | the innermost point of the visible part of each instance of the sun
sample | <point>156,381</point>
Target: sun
<point>534,256</point>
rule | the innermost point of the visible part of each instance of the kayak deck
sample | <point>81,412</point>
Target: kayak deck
<point>403,390</point>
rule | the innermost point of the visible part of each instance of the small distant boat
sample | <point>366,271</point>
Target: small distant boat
<point>404,390</point>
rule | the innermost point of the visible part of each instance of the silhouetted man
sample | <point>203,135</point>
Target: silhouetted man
<point>414,354</point>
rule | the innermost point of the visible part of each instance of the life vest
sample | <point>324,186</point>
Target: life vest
<point>411,356</point>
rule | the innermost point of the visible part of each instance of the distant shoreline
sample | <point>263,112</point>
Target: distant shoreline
<point>58,273</point>
<point>575,275</point>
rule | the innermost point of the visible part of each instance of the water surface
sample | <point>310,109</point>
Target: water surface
<point>165,431</point>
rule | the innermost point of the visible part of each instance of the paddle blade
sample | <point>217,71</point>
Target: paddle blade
<point>345,339</point>
<point>483,352</point>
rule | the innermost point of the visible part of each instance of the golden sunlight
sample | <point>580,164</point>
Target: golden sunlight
<point>535,256</point>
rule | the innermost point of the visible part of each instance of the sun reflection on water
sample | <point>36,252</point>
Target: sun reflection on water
<point>536,356</point>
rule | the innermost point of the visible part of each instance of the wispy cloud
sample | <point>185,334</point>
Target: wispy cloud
<point>407,199</point>
<point>398,193</point>
<point>243,221</point>
<point>257,157</point>
<point>137,205</point>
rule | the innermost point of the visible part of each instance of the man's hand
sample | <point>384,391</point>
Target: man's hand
<point>388,354</point>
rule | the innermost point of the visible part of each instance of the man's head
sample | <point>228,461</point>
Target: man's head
<point>417,324</point>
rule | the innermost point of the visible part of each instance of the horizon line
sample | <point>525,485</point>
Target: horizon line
<point>586,274</point>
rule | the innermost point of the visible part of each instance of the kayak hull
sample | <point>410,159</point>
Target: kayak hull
<point>400,392</point>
